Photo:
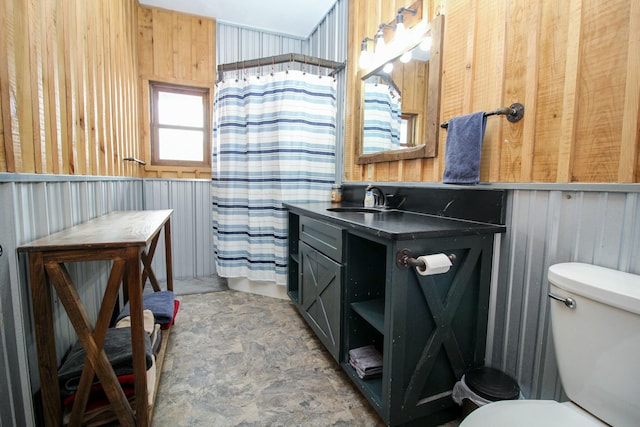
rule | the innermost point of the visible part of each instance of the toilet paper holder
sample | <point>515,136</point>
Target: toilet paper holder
<point>405,259</point>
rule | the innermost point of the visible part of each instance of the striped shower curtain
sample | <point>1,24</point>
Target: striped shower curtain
<point>382,118</point>
<point>274,142</point>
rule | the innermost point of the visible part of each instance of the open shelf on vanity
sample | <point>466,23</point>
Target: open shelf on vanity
<point>370,388</point>
<point>364,315</point>
<point>372,311</point>
<point>362,333</point>
<point>293,284</point>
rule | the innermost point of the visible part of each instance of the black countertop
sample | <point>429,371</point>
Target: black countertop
<point>395,224</point>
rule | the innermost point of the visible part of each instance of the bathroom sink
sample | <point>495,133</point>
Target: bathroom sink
<point>356,210</point>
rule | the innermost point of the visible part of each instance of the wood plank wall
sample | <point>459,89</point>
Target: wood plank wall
<point>68,87</point>
<point>575,65</point>
<point>175,48</point>
<point>70,98</point>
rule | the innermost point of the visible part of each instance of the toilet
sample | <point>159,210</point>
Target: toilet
<point>595,322</point>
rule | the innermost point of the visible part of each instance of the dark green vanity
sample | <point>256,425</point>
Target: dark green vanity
<point>348,280</point>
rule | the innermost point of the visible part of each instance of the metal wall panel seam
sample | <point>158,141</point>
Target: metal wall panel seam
<point>491,314</point>
<point>16,318</point>
<point>630,235</point>
<point>546,355</point>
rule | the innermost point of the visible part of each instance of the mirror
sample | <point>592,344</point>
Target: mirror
<point>399,110</point>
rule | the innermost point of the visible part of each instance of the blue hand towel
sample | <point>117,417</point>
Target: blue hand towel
<point>464,144</point>
<point>160,303</point>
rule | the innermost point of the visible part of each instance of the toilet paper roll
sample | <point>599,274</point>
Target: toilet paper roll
<point>435,264</point>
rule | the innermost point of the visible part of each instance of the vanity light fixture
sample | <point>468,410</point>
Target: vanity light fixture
<point>381,45</point>
<point>401,30</point>
<point>365,56</point>
<point>398,41</point>
<point>388,67</point>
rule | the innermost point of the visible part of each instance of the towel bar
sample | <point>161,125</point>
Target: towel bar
<point>133,159</point>
<point>514,113</point>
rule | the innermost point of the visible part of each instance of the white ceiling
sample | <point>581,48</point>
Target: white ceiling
<point>295,18</point>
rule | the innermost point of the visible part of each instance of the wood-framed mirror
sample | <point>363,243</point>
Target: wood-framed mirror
<point>407,127</point>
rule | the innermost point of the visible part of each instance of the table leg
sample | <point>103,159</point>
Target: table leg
<point>133,278</point>
<point>168,256</point>
<point>45,340</point>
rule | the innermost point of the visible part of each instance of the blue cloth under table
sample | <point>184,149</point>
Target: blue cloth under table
<point>160,303</point>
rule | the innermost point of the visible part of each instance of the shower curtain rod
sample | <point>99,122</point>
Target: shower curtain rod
<point>280,59</point>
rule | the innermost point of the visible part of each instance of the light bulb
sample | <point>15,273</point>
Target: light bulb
<point>401,33</point>
<point>401,30</point>
<point>365,59</point>
<point>388,67</point>
<point>380,44</point>
<point>406,57</point>
<point>425,45</point>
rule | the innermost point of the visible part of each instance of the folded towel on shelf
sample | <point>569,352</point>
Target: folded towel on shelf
<point>117,347</point>
<point>150,327</point>
<point>367,361</point>
<point>97,396</point>
<point>148,319</point>
<point>176,308</point>
<point>99,410</point>
<point>156,339</point>
<point>160,303</point>
<point>464,145</point>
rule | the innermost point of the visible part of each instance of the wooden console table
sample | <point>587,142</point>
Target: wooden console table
<point>122,237</point>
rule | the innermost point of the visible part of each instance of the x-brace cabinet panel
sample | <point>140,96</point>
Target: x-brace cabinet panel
<point>321,280</point>
<point>437,325</point>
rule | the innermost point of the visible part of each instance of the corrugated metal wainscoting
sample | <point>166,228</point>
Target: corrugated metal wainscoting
<point>191,232</point>
<point>33,206</point>
<point>36,205</point>
<point>544,228</point>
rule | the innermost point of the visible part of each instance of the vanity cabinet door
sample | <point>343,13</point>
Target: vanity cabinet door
<point>321,280</point>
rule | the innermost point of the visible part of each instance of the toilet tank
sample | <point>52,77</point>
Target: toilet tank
<point>597,342</point>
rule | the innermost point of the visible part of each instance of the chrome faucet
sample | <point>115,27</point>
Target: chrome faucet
<point>379,199</point>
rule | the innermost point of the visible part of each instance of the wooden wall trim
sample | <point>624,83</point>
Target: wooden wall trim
<point>532,16</point>
<point>630,141</point>
<point>569,96</point>
<point>8,156</point>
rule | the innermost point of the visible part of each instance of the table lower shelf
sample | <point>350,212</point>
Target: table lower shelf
<point>159,362</point>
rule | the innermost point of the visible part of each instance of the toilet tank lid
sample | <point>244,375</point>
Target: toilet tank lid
<point>605,285</point>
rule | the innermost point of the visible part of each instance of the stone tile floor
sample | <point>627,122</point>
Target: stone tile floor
<point>239,359</point>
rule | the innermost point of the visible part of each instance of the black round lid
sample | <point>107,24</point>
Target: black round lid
<point>492,384</point>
